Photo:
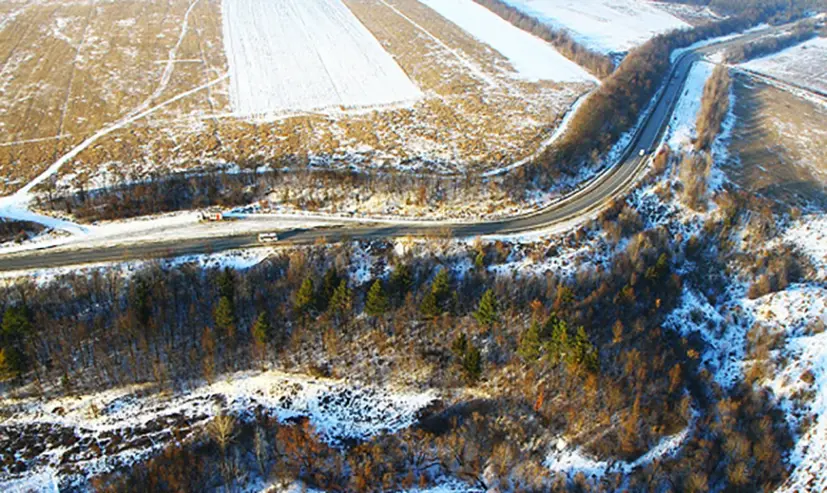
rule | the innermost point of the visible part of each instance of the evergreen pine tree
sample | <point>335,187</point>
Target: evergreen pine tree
<point>441,288</point>
<point>226,284</point>
<point>486,314</point>
<point>262,331</point>
<point>460,346</point>
<point>529,348</point>
<point>401,280</point>
<point>429,306</point>
<point>582,353</point>
<point>341,303</point>
<point>224,316</point>
<point>140,302</point>
<point>377,303</point>
<point>472,364</point>
<point>304,298</point>
<point>558,344</point>
<point>14,331</point>
<point>329,284</point>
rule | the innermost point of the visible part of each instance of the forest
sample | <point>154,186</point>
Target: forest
<point>584,356</point>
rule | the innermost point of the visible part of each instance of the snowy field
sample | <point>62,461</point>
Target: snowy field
<point>532,58</point>
<point>804,65</point>
<point>607,26</point>
<point>302,55</point>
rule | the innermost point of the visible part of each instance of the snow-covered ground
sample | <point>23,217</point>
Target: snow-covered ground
<point>306,55</point>
<point>532,58</point>
<point>570,461</point>
<point>804,65</point>
<point>338,410</point>
<point>681,129</point>
<point>607,26</point>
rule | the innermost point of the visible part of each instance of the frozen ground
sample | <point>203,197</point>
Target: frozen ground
<point>570,461</point>
<point>681,129</point>
<point>338,410</point>
<point>532,58</point>
<point>306,55</point>
<point>804,65</point>
<point>607,26</point>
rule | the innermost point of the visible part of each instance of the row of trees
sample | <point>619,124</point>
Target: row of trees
<point>628,91</point>
<point>766,46</point>
<point>597,63</point>
<point>714,108</point>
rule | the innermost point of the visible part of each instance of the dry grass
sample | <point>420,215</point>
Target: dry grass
<point>779,143</point>
<point>71,68</point>
<point>111,62</point>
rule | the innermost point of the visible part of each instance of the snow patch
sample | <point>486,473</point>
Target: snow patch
<point>337,409</point>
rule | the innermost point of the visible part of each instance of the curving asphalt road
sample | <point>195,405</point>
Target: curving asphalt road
<point>595,195</point>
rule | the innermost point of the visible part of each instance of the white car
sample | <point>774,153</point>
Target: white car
<point>268,238</point>
<point>642,152</point>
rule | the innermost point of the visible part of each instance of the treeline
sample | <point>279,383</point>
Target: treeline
<point>618,104</point>
<point>766,46</point>
<point>597,63</point>
<point>714,108</point>
<point>159,194</point>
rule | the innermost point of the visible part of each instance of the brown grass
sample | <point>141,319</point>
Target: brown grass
<point>111,67</point>
<point>778,141</point>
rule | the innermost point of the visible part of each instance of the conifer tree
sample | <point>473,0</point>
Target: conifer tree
<point>226,284</point>
<point>472,364</point>
<point>558,343</point>
<point>329,284</point>
<point>401,280</point>
<point>479,260</point>
<point>140,302</point>
<point>429,306</point>
<point>377,303</point>
<point>529,348</point>
<point>341,303</point>
<point>304,298</point>
<point>224,316</point>
<point>581,352</point>
<point>14,331</point>
<point>486,314</point>
<point>262,331</point>
<point>441,288</point>
<point>460,346</point>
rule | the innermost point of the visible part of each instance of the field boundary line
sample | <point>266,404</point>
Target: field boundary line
<point>21,196</point>
<point>468,63</point>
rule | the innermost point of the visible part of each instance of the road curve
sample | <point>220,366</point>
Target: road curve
<point>596,194</point>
